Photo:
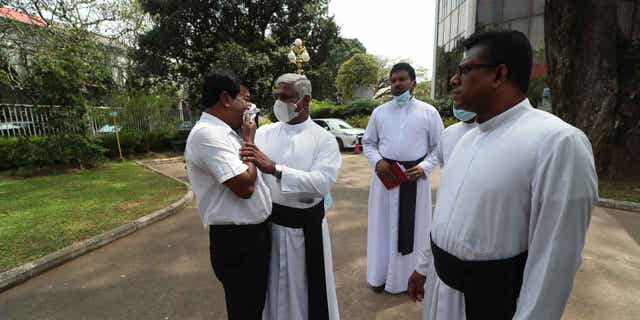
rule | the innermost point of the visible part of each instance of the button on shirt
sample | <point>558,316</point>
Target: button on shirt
<point>212,156</point>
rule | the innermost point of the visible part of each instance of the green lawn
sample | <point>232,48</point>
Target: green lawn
<point>619,190</point>
<point>41,215</point>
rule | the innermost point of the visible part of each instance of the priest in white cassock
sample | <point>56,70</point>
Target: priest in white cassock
<point>452,134</point>
<point>514,200</point>
<point>301,162</point>
<point>405,131</point>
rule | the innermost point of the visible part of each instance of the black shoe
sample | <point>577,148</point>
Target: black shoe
<point>378,289</point>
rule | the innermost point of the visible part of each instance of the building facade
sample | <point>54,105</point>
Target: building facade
<point>458,19</point>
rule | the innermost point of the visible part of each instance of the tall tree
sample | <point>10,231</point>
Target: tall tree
<point>250,36</point>
<point>593,52</point>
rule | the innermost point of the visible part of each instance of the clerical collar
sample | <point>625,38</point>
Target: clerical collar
<point>506,116</point>
<point>297,126</point>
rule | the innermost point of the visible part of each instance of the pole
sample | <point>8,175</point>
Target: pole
<point>115,128</point>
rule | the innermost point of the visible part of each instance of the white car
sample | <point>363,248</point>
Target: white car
<point>346,135</point>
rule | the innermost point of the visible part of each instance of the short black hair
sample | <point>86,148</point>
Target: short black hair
<point>508,47</point>
<point>403,66</point>
<point>216,82</point>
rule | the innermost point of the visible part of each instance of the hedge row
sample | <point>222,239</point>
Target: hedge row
<point>79,150</point>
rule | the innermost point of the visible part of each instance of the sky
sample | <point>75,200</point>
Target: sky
<point>397,29</point>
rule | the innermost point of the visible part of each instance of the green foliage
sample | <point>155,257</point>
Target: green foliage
<point>361,70</point>
<point>358,121</point>
<point>133,143</point>
<point>535,90</point>
<point>67,149</point>
<point>423,90</point>
<point>321,109</point>
<point>360,107</point>
<point>447,121</point>
<point>252,38</point>
<point>444,105</point>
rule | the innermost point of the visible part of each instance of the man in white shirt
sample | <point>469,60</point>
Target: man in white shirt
<point>300,161</point>
<point>514,201</point>
<point>405,131</point>
<point>233,200</point>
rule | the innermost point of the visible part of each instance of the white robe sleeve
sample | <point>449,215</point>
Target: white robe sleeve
<point>564,191</point>
<point>321,177</point>
<point>440,153</point>
<point>424,258</point>
<point>370,142</point>
<point>434,135</point>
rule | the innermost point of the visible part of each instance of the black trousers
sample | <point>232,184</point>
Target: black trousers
<point>240,260</point>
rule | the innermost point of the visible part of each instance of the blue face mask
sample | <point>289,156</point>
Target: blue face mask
<point>463,115</point>
<point>403,98</point>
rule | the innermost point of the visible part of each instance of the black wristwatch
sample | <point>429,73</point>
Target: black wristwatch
<point>277,172</point>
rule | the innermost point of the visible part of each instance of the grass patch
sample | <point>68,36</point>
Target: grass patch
<point>619,190</point>
<point>44,214</point>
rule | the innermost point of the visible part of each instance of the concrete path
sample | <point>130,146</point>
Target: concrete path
<point>163,271</point>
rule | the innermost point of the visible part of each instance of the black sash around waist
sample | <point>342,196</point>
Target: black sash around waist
<point>491,288</point>
<point>310,221</point>
<point>407,209</point>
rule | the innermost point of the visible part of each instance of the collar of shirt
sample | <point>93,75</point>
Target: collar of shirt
<point>215,121</point>
<point>505,117</point>
<point>296,128</point>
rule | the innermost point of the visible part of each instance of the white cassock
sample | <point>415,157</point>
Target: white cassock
<point>402,133</point>
<point>522,181</point>
<point>450,137</point>
<point>310,161</point>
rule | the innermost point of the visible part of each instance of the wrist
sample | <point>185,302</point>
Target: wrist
<point>277,171</point>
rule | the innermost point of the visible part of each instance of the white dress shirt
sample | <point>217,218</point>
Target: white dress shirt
<point>309,158</point>
<point>522,181</point>
<point>212,156</point>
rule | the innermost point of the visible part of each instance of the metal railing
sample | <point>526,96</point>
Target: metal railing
<point>30,120</point>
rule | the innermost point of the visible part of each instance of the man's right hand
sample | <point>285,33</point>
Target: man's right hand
<point>416,286</point>
<point>383,170</point>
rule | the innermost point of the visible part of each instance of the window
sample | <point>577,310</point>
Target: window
<point>536,37</point>
<point>462,21</point>
<point>440,34</point>
<point>538,6</point>
<point>454,24</point>
<point>514,9</point>
<point>321,123</point>
<point>488,11</point>
<point>521,25</point>
<point>447,30</point>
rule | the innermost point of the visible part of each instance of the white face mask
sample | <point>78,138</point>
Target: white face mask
<point>284,112</point>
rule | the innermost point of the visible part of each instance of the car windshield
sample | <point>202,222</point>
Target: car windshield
<point>341,124</point>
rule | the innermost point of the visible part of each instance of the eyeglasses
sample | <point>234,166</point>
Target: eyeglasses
<point>466,68</point>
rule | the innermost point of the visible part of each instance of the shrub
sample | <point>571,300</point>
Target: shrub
<point>360,107</point>
<point>358,121</point>
<point>64,149</point>
<point>133,143</point>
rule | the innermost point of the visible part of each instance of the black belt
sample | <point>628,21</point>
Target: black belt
<point>310,221</point>
<point>491,288</point>
<point>407,209</point>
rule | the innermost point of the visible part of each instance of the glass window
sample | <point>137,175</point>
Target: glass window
<point>488,11</point>
<point>454,23</point>
<point>440,33</point>
<point>538,6</point>
<point>447,28</point>
<point>514,9</point>
<point>462,21</point>
<point>521,25</point>
<point>537,32</point>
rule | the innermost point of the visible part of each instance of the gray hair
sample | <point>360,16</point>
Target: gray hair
<point>300,83</point>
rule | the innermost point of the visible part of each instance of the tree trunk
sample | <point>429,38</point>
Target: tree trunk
<point>593,53</point>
